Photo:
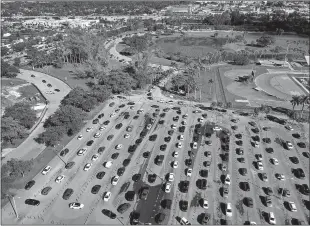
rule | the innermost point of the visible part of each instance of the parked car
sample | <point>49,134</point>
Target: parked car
<point>46,190</point>
<point>67,194</point>
<point>29,184</point>
<point>32,202</point>
<point>123,208</point>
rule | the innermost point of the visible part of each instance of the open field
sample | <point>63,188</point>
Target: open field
<point>209,161</point>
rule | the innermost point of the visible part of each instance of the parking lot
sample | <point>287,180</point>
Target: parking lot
<point>173,162</point>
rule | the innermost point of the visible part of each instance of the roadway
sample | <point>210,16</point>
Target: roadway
<point>29,148</point>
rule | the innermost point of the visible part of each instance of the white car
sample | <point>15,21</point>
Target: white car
<point>260,165</point>
<point>256,144</point>
<point>184,122</point>
<point>107,196</point>
<point>171,177</point>
<point>108,164</point>
<point>292,206</point>
<point>89,129</point>
<point>181,137</point>
<point>95,157</point>
<point>59,178</point>
<point>87,166</point>
<point>81,152</point>
<point>119,146</point>
<point>132,107</point>
<point>102,128</point>
<point>289,145</point>
<point>173,126</point>
<point>175,154</point>
<point>80,137</point>
<point>112,115</point>
<point>205,204</point>
<point>127,135</point>
<point>280,176</point>
<point>216,128</point>
<point>115,180</point>
<point>271,218</point>
<point>168,188</point>
<point>175,164</point>
<point>149,126</point>
<point>189,172</point>
<point>97,135</point>
<point>161,101</point>
<point>195,146</point>
<point>227,179</point>
<point>200,119</point>
<point>274,161</point>
<point>228,210</point>
<point>46,170</point>
<point>185,116</point>
<point>288,127</point>
<point>76,206</point>
<point>184,221</point>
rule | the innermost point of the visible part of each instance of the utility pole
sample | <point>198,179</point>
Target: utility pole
<point>60,158</point>
<point>13,205</point>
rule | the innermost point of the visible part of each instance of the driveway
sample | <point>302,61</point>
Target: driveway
<point>29,148</point>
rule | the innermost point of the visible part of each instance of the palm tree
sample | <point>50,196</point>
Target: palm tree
<point>295,101</point>
<point>303,99</point>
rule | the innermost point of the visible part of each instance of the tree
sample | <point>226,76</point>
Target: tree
<point>11,130</point>
<point>8,70</point>
<point>265,40</point>
<point>4,51</point>
<point>228,105</point>
<point>15,168</point>
<point>51,136</point>
<point>23,113</point>
<point>241,58</point>
<point>19,47</point>
<point>16,61</point>
<point>295,101</point>
<point>303,99</point>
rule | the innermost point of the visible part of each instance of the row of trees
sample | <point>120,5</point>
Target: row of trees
<point>302,100</point>
<point>7,70</point>
<point>16,122</point>
<point>70,116</point>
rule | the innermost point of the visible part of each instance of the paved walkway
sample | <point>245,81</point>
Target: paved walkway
<point>29,148</point>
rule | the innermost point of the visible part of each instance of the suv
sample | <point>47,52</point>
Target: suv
<point>29,184</point>
<point>32,202</point>
<point>144,193</point>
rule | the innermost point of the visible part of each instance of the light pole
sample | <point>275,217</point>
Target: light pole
<point>13,204</point>
<point>60,158</point>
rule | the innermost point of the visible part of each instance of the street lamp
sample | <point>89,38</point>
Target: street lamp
<point>60,158</point>
<point>13,204</point>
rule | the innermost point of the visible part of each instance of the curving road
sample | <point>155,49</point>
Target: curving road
<point>29,148</point>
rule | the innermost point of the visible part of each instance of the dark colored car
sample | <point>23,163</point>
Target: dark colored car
<point>207,153</point>
<point>170,132</point>
<point>306,154</point>
<point>267,190</point>
<point>195,138</point>
<point>202,184</point>
<point>114,155</point>
<point>248,202</point>
<point>121,171</point>
<point>130,195</point>
<point>183,205</point>
<point>243,171</point>
<point>239,151</point>
<point>167,139</point>
<point>136,117</point>
<point>106,122</point>
<point>144,193</point>
<point>126,116</point>
<point>132,148</point>
<point>176,118</point>
<point>296,221</point>
<point>146,154</point>
<point>203,173</point>
<point>301,145</point>
<point>159,159</point>
<point>299,173</point>
<point>32,202</point>
<point>162,115</point>
<point>125,187</point>
<point>136,177</point>
<point>49,85</point>
<point>134,218</point>
<point>109,213</point>
<point>46,190</point>
<point>163,147</point>
<point>121,106</point>
<point>64,152</point>
<point>131,103</point>
<point>33,76</point>
<point>126,162</point>
<point>294,159</point>
<point>101,115</point>
<point>112,104</point>
<point>43,81</point>
<point>152,178</point>
<point>159,218</point>
<point>206,163</point>
<point>188,162</point>
<point>118,126</point>
<point>69,165</point>
<point>244,186</point>
<point>123,208</point>
<point>182,129</point>
<point>89,143</point>
<point>95,121</point>
<point>67,194</point>
<point>304,189</point>
<point>95,189</point>
<point>166,109</point>
<point>184,186</point>
<point>238,136</point>
<point>153,137</point>
<point>110,137</point>
<point>100,175</point>
<point>29,184</point>
<point>101,150</point>
<point>57,90</point>
<point>269,150</point>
